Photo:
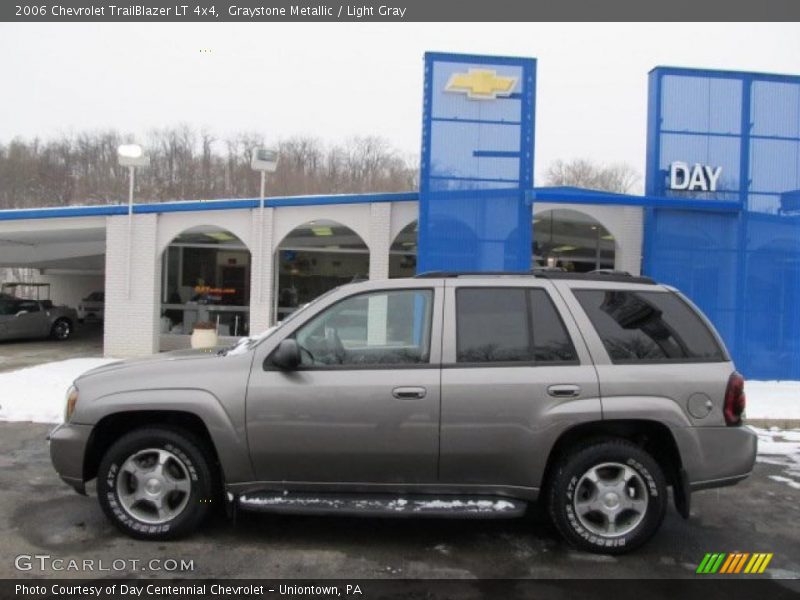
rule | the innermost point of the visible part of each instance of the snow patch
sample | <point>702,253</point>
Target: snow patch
<point>790,482</point>
<point>287,501</point>
<point>782,449</point>
<point>772,399</point>
<point>479,505</point>
<point>38,393</point>
<point>399,504</point>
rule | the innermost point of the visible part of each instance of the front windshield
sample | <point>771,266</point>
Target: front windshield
<point>303,308</point>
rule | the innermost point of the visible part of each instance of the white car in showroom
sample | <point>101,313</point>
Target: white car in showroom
<point>92,307</point>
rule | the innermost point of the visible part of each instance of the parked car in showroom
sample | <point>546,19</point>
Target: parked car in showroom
<point>23,318</point>
<point>444,395</point>
<point>92,307</point>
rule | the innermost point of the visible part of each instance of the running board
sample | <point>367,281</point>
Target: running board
<point>383,505</point>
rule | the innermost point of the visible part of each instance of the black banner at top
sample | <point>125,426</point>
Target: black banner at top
<point>264,11</point>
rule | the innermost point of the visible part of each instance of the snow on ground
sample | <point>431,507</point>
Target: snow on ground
<point>781,448</point>
<point>772,399</point>
<point>38,393</point>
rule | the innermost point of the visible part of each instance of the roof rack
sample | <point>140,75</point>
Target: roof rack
<point>547,273</point>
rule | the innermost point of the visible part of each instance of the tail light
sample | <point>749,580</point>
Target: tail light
<point>734,400</point>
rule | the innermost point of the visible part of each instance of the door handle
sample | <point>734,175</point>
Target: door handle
<point>409,393</point>
<point>564,390</point>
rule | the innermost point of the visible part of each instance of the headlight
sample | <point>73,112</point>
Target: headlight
<point>72,400</point>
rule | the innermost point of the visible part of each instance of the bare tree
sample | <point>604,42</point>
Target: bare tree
<point>619,177</point>
<point>186,165</point>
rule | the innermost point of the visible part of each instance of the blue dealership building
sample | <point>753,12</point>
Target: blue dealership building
<point>721,204</point>
<point>719,219</point>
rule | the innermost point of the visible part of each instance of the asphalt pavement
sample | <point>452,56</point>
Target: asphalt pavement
<point>86,341</point>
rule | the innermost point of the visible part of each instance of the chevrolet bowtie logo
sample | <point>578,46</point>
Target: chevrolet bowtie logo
<point>481,84</point>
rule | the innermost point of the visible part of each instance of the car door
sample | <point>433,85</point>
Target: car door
<point>8,312</point>
<point>363,406</point>
<point>515,375</point>
<point>29,321</point>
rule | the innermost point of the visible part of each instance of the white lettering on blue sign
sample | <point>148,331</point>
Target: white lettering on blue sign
<point>693,178</point>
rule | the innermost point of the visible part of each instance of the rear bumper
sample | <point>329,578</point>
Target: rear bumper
<point>717,456</point>
<point>68,444</point>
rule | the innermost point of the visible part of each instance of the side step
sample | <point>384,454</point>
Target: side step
<point>376,505</point>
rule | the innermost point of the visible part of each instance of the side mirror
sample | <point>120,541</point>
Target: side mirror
<point>20,313</point>
<point>287,355</point>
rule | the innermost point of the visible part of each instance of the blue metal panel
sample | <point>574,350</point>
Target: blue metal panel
<point>742,268</point>
<point>570,195</point>
<point>477,162</point>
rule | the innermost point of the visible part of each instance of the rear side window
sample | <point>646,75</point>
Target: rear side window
<point>551,341</point>
<point>507,325</point>
<point>648,327</point>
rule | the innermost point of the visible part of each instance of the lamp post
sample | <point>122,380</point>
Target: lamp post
<point>265,160</point>
<point>131,156</point>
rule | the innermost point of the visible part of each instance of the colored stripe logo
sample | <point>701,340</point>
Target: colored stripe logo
<point>734,563</point>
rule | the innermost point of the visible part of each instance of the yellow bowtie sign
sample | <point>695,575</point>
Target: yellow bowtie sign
<point>481,84</point>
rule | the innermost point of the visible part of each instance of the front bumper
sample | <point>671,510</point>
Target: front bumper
<point>717,456</point>
<point>68,442</point>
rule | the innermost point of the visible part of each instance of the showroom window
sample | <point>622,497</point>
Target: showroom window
<point>206,277</point>
<point>571,240</point>
<point>403,252</point>
<point>314,258</point>
<point>389,328</point>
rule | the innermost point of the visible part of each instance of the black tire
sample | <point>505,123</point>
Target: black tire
<point>61,330</point>
<point>568,487</point>
<point>190,451</point>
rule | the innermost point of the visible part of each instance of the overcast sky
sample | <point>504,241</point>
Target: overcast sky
<point>339,80</point>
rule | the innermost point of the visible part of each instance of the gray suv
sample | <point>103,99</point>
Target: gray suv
<point>449,394</point>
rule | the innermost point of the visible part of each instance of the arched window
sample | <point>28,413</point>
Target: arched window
<point>205,276</point>
<point>314,258</point>
<point>403,253</point>
<point>572,240</point>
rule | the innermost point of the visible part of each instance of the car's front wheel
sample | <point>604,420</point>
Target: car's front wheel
<point>609,497</point>
<point>61,330</point>
<point>156,483</point>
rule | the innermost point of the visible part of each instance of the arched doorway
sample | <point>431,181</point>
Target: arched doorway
<point>313,258</point>
<point>571,240</point>
<point>205,276</point>
<point>403,253</point>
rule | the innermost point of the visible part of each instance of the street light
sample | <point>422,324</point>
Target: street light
<point>131,156</point>
<point>265,160</point>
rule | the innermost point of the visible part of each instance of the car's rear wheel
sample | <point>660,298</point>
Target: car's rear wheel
<point>156,483</point>
<point>608,497</point>
<point>61,330</point>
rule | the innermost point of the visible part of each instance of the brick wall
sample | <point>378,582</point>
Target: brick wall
<point>132,308</point>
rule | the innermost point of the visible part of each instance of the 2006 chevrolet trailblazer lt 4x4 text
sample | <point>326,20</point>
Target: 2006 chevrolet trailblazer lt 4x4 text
<point>449,394</point>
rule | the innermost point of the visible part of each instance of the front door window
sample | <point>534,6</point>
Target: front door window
<point>381,328</point>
